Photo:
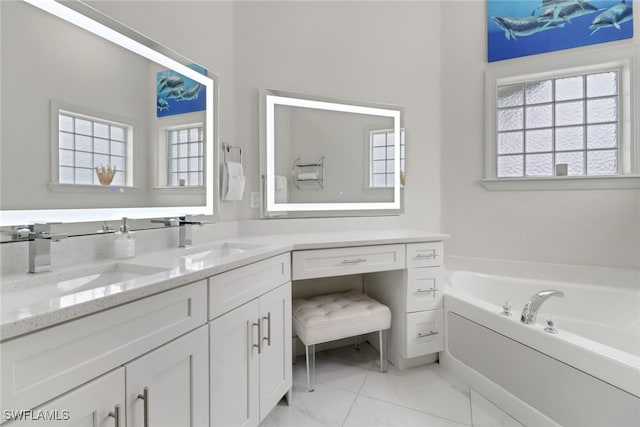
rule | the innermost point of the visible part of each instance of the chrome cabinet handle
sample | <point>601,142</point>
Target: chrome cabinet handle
<point>116,415</point>
<point>354,261</point>
<point>145,396</point>
<point>431,333</point>
<point>268,337</point>
<point>259,345</point>
<point>427,256</point>
<point>424,291</point>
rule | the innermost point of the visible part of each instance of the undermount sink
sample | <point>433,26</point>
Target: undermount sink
<point>44,287</point>
<point>199,257</point>
<point>196,258</point>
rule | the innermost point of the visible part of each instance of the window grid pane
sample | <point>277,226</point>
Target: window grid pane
<point>382,157</point>
<point>185,159</point>
<point>85,143</point>
<point>574,121</point>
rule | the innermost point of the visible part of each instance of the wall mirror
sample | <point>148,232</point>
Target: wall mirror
<point>323,156</point>
<point>99,122</point>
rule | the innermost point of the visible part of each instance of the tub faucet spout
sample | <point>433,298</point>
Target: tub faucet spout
<point>530,310</point>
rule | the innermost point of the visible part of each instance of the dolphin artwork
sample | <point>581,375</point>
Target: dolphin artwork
<point>191,93</point>
<point>612,17</point>
<point>567,12</point>
<point>523,26</point>
<point>554,7</point>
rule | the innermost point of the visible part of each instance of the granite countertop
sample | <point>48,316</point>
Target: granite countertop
<point>33,302</point>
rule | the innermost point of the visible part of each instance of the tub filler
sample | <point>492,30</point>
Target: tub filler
<point>587,374</point>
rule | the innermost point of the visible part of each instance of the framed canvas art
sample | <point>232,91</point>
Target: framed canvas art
<point>177,94</point>
<point>527,27</point>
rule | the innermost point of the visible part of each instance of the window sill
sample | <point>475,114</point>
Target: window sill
<point>99,189</point>
<point>200,189</point>
<point>564,183</point>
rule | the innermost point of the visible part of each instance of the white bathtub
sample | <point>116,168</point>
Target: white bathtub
<point>596,352</point>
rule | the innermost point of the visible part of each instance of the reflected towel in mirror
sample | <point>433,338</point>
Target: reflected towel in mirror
<point>281,189</point>
<point>232,181</point>
<point>308,176</point>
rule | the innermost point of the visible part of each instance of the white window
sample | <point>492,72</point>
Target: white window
<point>185,156</point>
<point>559,126</point>
<point>382,146</point>
<point>86,143</point>
<point>571,128</point>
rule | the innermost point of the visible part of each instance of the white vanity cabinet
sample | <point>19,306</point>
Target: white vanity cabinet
<point>166,387</point>
<point>146,339</point>
<point>95,404</point>
<point>415,297</point>
<point>405,277</point>
<point>170,385</point>
<point>250,344</point>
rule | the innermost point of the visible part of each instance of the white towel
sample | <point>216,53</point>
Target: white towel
<point>232,181</point>
<point>308,175</point>
<point>281,189</point>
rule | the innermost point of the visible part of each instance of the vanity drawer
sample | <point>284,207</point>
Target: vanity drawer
<point>343,261</point>
<point>424,288</point>
<point>424,333</point>
<point>233,288</point>
<point>42,365</point>
<point>428,254</point>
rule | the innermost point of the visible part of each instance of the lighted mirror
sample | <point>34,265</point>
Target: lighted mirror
<point>325,156</point>
<point>99,122</point>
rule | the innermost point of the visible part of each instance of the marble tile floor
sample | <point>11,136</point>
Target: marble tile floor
<point>351,391</point>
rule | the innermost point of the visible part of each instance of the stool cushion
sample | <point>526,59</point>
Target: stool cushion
<point>335,316</point>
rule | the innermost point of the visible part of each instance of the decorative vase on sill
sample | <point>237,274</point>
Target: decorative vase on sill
<point>105,174</point>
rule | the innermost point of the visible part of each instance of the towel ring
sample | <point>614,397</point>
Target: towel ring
<point>228,150</point>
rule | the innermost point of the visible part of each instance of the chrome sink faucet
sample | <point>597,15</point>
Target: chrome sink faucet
<point>40,239</point>
<point>185,238</point>
<point>530,310</point>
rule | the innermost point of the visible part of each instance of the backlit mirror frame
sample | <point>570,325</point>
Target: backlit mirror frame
<point>272,98</point>
<point>105,30</point>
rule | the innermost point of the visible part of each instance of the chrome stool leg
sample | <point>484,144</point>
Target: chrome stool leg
<point>384,348</point>
<point>311,367</point>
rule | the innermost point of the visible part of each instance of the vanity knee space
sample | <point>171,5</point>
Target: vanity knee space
<point>405,277</point>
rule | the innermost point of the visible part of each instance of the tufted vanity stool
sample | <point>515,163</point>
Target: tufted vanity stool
<point>335,316</point>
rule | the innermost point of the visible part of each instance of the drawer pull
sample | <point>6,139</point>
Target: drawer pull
<point>354,261</point>
<point>431,333</point>
<point>268,337</point>
<point>145,396</point>
<point>115,414</point>
<point>424,291</point>
<point>432,255</point>
<point>259,345</point>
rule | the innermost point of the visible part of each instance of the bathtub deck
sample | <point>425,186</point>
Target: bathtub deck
<point>351,391</point>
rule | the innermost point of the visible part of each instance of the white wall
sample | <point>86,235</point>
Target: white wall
<point>383,52</point>
<point>430,58</point>
<point>600,228</point>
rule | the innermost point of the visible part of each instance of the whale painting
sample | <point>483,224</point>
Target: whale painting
<point>528,27</point>
<point>177,94</point>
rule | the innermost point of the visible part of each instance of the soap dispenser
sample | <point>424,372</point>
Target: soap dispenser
<point>124,244</point>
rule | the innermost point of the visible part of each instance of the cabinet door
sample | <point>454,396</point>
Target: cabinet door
<point>87,406</point>
<point>234,367</point>
<point>175,377</point>
<point>275,358</point>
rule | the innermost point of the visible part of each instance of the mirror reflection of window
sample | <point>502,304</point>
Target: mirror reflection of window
<point>382,146</point>
<point>87,145</point>
<point>185,156</point>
